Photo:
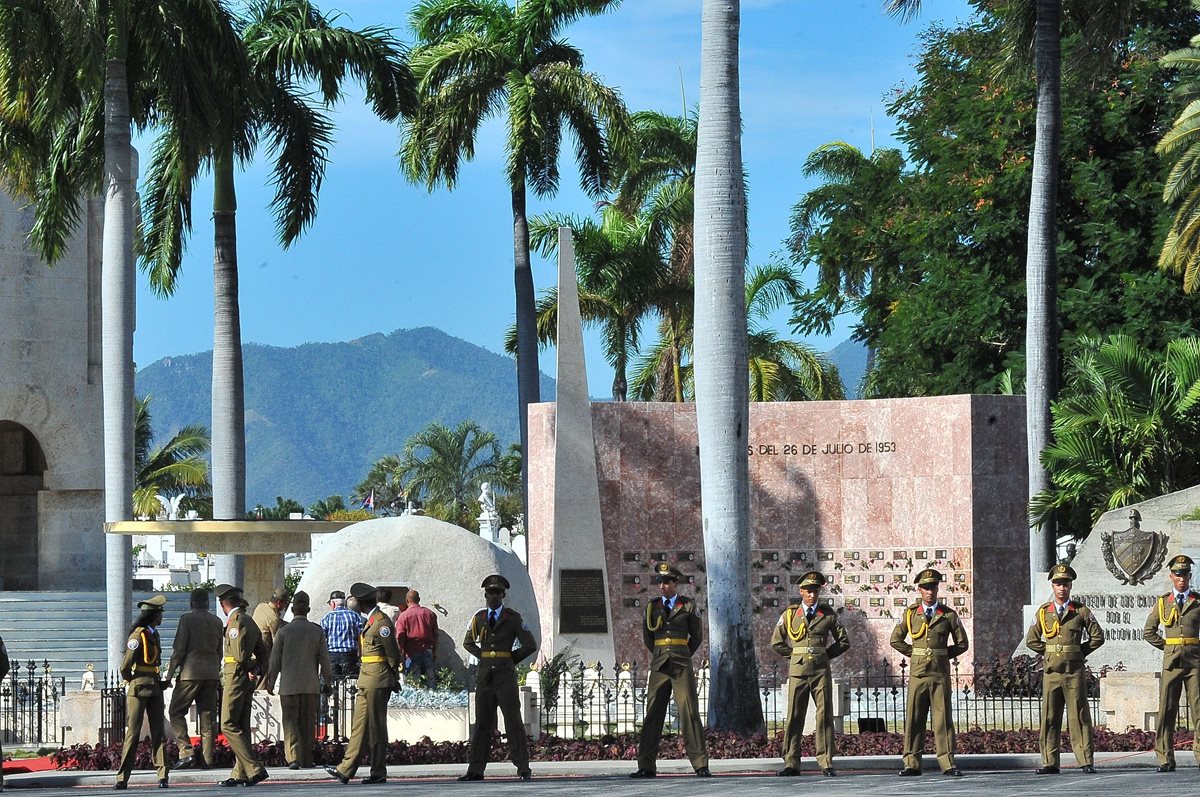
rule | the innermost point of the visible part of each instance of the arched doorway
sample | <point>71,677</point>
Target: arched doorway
<point>22,475</point>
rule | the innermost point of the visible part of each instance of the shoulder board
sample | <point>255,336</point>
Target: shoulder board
<point>482,612</point>
<point>942,608</point>
<point>916,607</point>
<point>507,613</point>
<point>1168,596</point>
<point>1074,606</point>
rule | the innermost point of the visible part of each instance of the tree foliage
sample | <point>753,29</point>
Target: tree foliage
<point>175,468</point>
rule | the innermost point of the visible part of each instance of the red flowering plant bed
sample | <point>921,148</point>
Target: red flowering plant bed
<point>624,748</point>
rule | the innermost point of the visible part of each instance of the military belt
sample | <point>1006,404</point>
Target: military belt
<point>1183,640</point>
<point>810,650</point>
<point>373,659</point>
<point>145,668</point>
<point>230,660</point>
<point>668,641</point>
<point>495,654</point>
<point>928,651</point>
<point>1063,648</point>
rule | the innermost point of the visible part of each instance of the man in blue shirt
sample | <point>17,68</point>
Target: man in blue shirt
<point>342,627</point>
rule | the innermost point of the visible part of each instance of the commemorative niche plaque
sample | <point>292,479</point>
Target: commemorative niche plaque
<point>581,602</point>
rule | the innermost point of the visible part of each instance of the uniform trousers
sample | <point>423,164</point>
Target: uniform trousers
<point>1174,682</point>
<point>680,681</point>
<point>235,724</point>
<point>204,694</point>
<point>499,694</point>
<point>929,695</point>
<point>299,726</point>
<point>818,686</point>
<point>368,732</point>
<point>143,701</point>
<point>1066,691</point>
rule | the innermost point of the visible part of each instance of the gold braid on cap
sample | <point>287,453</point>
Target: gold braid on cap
<point>793,634</point>
<point>1168,620</point>
<point>918,633</point>
<point>1048,631</point>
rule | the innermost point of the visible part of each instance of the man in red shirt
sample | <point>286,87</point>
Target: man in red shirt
<point>417,633</point>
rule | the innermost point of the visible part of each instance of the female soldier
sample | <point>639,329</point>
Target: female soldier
<point>143,690</point>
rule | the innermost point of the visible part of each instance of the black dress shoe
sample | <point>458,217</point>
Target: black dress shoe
<point>259,778</point>
<point>293,765</point>
<point>187,763</point>
<point>120,785</point>
<point>788,772</point>
<point>231,782</point>
<point>828,772</point>
<point>703,772</point>
<point>525,774</point>
<point>471,776</point>
<point>910,772</point>
<point>643,773</point>
<point>163,784</point>
<point>333,773</point>
<point>1088,769</point>
<point>953,772</point>
<point>1046,771</point>
<point>1166,767</point>
<point>373,779</point>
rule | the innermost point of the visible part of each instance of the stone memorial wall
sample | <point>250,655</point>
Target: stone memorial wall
<point>867,492</point>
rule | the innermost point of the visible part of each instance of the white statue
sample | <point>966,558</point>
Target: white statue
<point>486,501</point>
<point>489,518</point>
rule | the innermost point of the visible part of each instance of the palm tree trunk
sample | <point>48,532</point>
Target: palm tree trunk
<point>228,398</point>
<point>117,321</point>
<point>720,366</point>
<point>1041,279</point>
<point>676,358</point>
<point>528,377</point>
<point>620,385</point>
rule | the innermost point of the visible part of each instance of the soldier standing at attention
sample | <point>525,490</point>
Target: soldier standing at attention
<point>499,638</point>
<point>301,656</point>
<point>671,631</point>
<point>144,690</point>
<point>1178,612</point>
<point>937,636</point>
<point>196,668</point>
<point>378,677</point>
<point>245,661</point>
<point>810,635</point>
<point>1064,632</point>
<point>268,616</point>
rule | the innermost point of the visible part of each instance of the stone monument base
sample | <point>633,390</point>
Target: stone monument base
<point>1129,700</point>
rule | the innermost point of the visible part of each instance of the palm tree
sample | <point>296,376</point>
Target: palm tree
<point>480,58</point>
<point>444,466</point>
<point>289,44</point>
<point>384,482</point>
<point>721,366</point>
<point>176,468</point>
<point>1181,249</point>
<point>1125,429</point>
<point>77,78</point>
<point>1036,26</point>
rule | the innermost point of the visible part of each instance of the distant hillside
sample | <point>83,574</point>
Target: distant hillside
<point>850,357</point>
<point>318,415</point>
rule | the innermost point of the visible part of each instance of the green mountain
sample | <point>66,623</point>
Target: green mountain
<point>318,415</point>
<point>850,356</point>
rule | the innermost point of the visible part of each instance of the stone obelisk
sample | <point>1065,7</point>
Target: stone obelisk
<point>582,616</point>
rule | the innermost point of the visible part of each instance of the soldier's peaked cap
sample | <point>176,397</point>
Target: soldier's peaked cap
<point>227,591</point>
<point>666,572</point>
<point>157,603</point>
<point>495,581</point>
<point>928,577</point>
<point>1062,572</point>
<point>1181,564</point>
<point>361,591</point>
<point>812,579</point>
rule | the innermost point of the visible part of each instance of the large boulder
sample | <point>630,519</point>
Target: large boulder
<point>443,562</point>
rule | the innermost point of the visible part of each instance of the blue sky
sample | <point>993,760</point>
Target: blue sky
<point>384,254</point>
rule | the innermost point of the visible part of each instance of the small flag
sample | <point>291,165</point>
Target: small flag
<point>369,501</point>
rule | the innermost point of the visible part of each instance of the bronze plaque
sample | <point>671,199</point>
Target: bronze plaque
<point>582,602</point>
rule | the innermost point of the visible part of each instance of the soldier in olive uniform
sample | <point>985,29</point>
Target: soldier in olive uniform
<point>672,633</point>
<point>810,635</point>
<point>144,690</point>
<point>1178,612</point>
<point>302,657</point>
<point>378,677</point>
<point>3,672</point>
<point>937,636</point>
<point>1064,632</point>
<point>245,662</point>
<point>268,616</point>
<point>499,638</point>
<point>196,668</point>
